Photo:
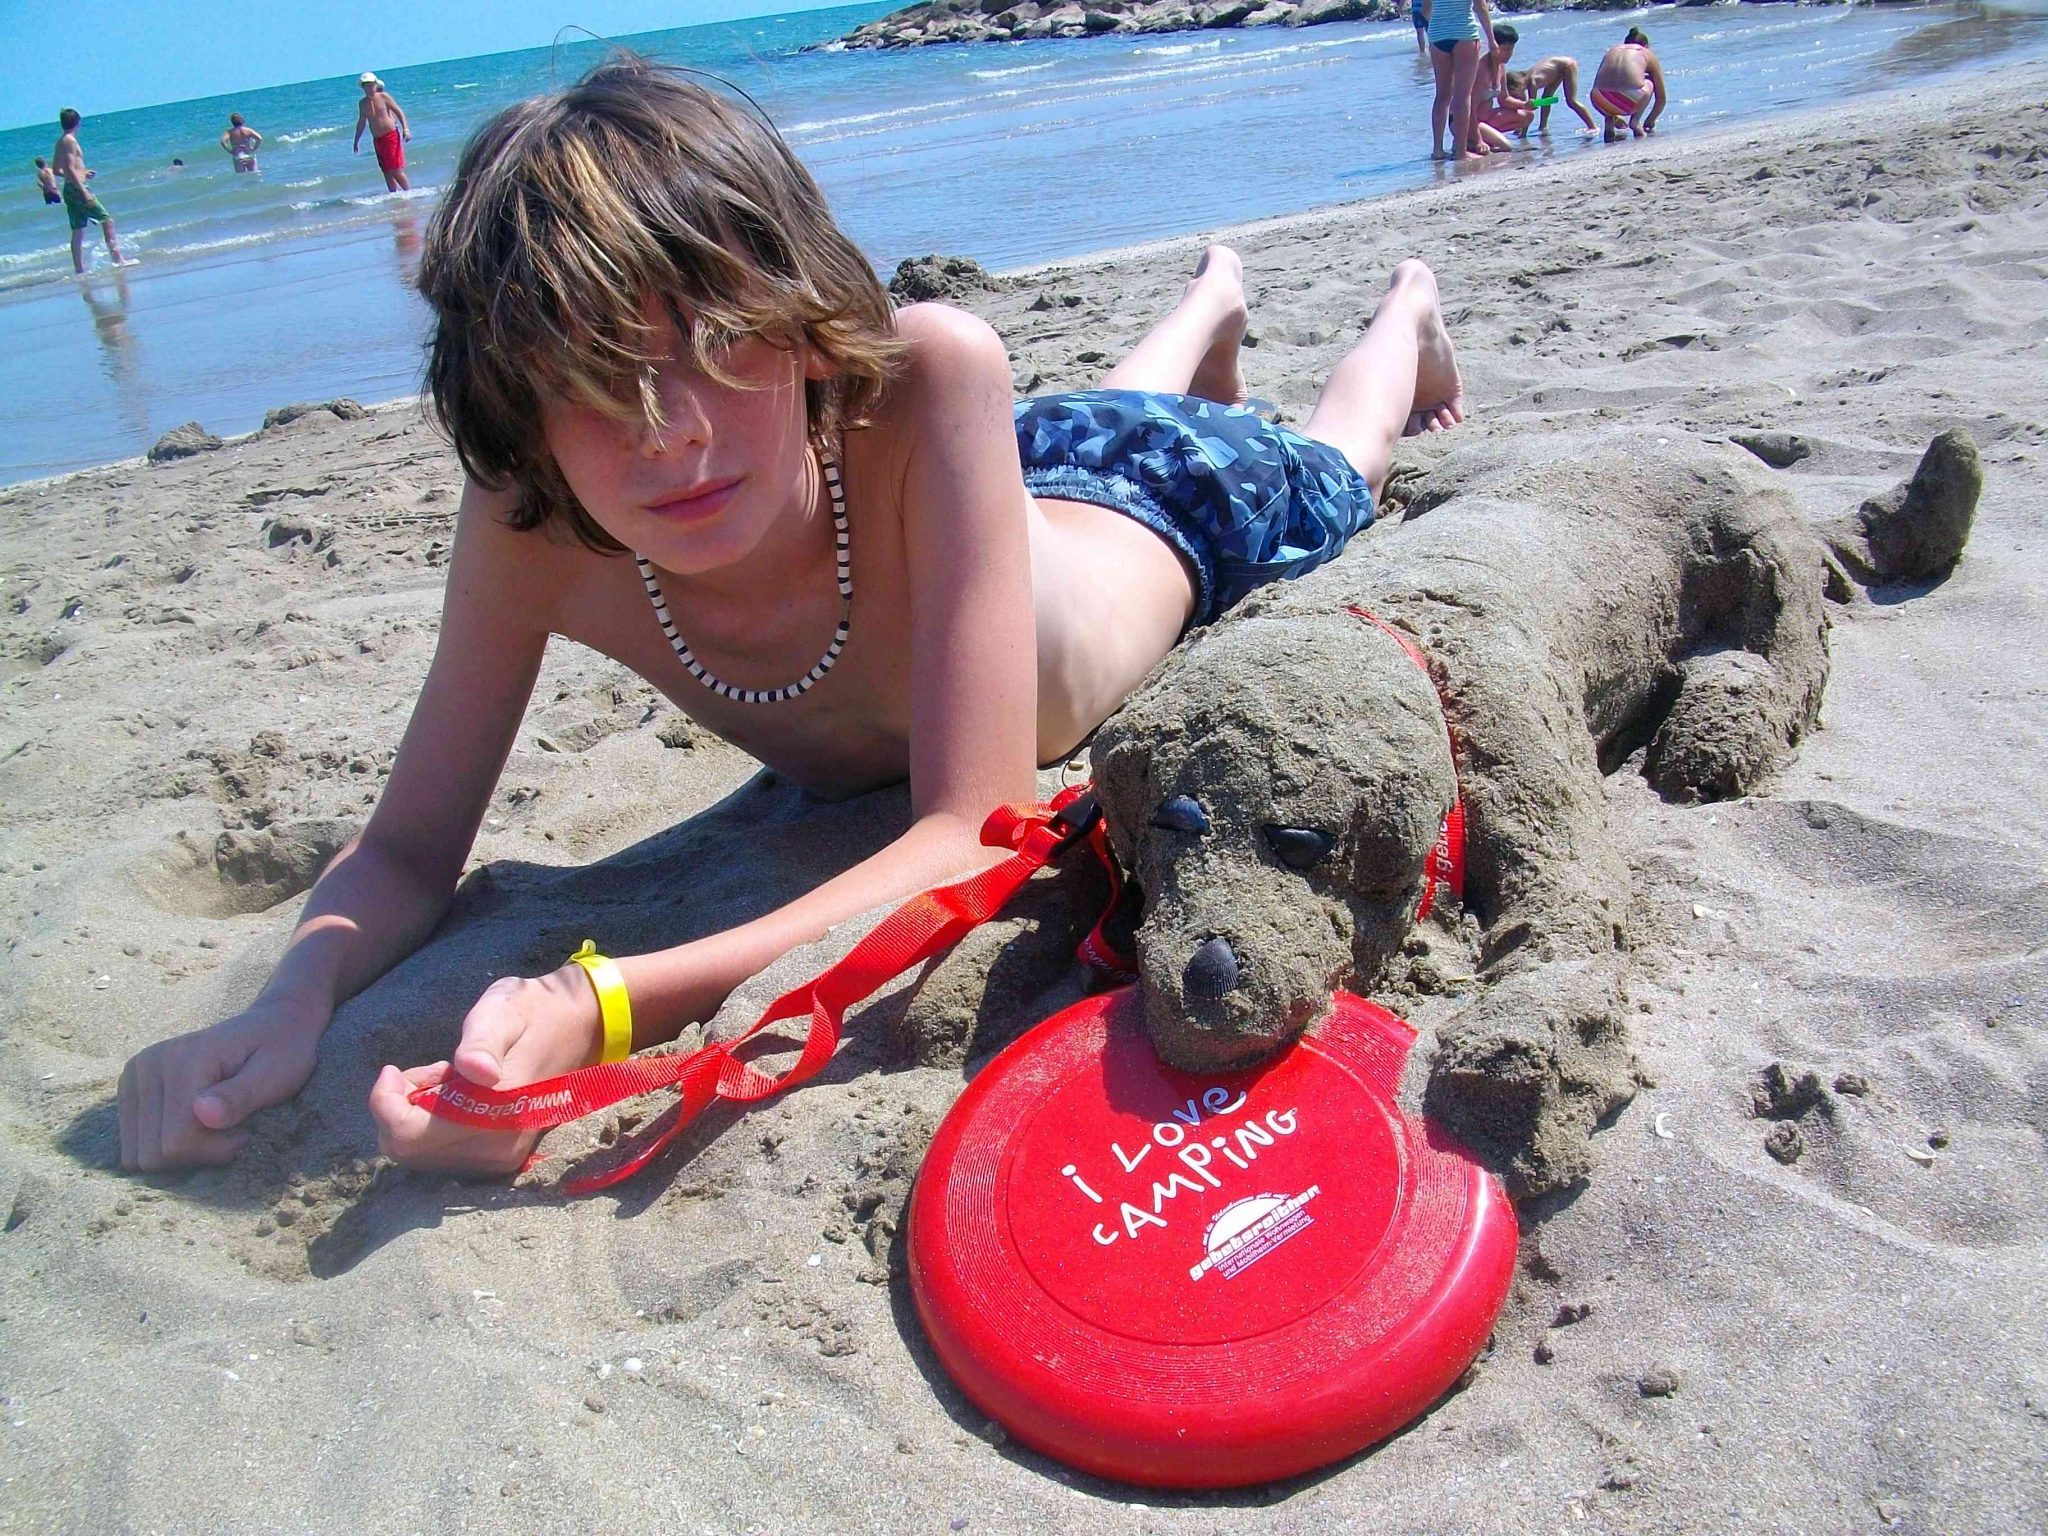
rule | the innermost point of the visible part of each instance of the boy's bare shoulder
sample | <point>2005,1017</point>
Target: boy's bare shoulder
<point>949,357</point>
<point>946,348</point>
<point>529,573</point>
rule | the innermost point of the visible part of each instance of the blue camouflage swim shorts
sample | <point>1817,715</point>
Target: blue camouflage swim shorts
<point>1245,502</point>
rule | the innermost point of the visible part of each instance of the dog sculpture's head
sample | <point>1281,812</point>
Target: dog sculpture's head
<point>1274,789</point>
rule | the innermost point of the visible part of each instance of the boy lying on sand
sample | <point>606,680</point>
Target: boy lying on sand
<point>698,440</point>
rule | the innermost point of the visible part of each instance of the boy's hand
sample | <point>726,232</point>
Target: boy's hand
<point>183,1100</point>
<point>523,1029</point>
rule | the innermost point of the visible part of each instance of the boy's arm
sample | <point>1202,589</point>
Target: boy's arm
<point>973,635</point>
<point>973,746</point>
<point>182,1100</point>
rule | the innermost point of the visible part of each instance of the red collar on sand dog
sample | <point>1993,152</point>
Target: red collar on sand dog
<point>1156,1277</point>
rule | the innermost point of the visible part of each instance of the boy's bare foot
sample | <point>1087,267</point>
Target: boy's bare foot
<point>1219,278</point>
<point>1439,391</point>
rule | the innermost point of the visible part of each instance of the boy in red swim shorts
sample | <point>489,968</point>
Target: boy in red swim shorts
<point>380,112</point>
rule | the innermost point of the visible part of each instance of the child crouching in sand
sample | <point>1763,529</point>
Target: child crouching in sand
<point>1557,75</point>
<point>1628,88</point>
<point>698,440</point>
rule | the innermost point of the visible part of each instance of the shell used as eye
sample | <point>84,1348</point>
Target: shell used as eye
<point>1299,847</point>
<point>1181,813</point>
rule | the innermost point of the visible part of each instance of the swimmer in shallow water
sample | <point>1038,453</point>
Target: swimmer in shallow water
<point>241,142</point>
<point>379,112</point>
<point>81,208</point>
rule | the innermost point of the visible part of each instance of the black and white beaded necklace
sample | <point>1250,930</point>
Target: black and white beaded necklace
<point>843,558</point>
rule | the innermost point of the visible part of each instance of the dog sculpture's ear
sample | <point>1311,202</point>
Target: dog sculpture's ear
<point>1126,763</point>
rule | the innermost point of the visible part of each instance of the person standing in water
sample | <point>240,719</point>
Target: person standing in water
<point>80,206</point>
<point>1629,83</point>
<point>1460,33</point>
<point>47,180</point>
<point>380,112</point>
<point>241,142</point>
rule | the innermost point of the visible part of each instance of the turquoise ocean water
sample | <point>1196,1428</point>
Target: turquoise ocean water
<point>293,284</point>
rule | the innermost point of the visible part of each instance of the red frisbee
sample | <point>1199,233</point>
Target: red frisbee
<point>1201,1282</point>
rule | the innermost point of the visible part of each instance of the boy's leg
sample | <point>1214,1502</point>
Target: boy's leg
<point>78,249</point>
<point>113,245</point>
<point>1193,351</point>
<point>1402,378</point>
<point>1571,93</point>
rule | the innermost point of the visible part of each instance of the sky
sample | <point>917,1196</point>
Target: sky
<point>109,55</point>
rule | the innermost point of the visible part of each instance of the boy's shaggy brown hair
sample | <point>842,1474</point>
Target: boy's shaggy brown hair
<point>569,211</point>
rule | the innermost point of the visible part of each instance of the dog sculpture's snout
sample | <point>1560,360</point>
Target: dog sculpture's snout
<point>1212,972</point>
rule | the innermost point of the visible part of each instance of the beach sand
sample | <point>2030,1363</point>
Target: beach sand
<point>207,666</point>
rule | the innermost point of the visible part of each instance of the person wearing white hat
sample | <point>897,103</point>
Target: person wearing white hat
<point>380,112</point>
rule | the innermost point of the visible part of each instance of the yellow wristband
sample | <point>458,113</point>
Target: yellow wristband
<point>613,1005</point>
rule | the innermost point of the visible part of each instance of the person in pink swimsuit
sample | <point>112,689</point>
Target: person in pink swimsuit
<point>1628,85</point>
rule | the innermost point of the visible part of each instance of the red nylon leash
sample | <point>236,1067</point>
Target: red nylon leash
<point>929,922</point>
<point>1445,867</point>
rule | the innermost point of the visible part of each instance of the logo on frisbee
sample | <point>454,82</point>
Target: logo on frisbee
<point>1245,1231</point>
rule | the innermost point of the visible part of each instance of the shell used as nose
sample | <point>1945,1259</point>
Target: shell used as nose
<point>1212,972</point>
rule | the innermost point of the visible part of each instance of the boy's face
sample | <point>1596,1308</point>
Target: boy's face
<point>700,496</point>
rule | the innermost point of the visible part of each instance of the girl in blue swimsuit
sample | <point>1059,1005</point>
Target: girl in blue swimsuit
<point>1460,34</point>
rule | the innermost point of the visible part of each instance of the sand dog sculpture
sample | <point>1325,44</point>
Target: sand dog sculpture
<point>1277,785</point>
